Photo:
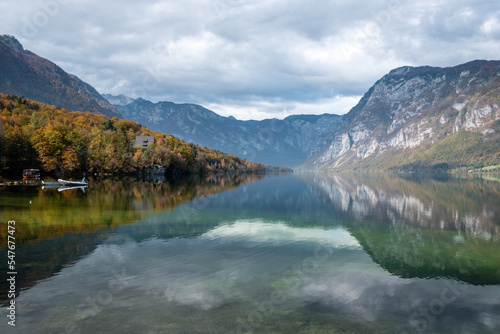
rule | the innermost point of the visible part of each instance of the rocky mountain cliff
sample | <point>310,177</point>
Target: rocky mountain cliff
<point>25,74</point>
<point>285,142</point>
<point>420,116</point>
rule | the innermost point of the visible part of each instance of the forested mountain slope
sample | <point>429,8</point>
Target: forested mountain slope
<point>37,135</point>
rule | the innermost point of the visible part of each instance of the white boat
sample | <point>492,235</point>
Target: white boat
<point>63,188</point>
<point>48,184</point>
<point>73,183</point>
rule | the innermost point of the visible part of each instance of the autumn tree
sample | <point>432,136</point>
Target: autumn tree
<point>50,146</point>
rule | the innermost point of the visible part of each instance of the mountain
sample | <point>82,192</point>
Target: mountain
<point>285,142</point>
<point>413,118</point>
<point>25,74</point>
<point>418,118</point>
<point>120,100</point>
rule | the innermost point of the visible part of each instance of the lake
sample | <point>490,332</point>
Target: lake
<point>312,253</point>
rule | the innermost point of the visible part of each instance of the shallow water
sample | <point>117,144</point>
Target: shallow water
<point>283,254</point>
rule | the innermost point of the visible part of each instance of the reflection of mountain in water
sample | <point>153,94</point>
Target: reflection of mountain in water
<point>418,227</point>
<point>470,205</point>
<point>423,227</point>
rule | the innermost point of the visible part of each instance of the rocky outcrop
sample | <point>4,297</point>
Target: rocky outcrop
<point>410,107</point>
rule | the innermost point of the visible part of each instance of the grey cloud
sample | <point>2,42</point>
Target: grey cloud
<point>208,52</point>
<point>446,34</point>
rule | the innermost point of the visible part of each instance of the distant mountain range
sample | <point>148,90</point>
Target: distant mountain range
<point>25,74</point>
<point>274,142</point>
<point>412,119</point>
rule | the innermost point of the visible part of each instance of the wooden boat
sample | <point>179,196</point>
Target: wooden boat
<point>73,183</point>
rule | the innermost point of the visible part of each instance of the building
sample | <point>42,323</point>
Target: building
<point>143,141</point>
<point>31,174</point>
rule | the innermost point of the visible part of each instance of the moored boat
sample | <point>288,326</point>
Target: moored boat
<point>63,188</point>
<point>73,183</point>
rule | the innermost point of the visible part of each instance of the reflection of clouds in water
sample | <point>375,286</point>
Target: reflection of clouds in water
<point>190,293</point>
<point>207,271</point>
<point>258,231</point>
<point>233,260</point>
<point>212,269</point>
<point>353,293</point>
<point>245,262</point>
<point>426,304</point>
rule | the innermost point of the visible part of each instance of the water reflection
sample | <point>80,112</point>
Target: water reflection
<point>46,213</point>
<point>310,253</point>
<point>54,229</point>
<point>441,203</point>
<point>411,227</point>
<point>423,227</point>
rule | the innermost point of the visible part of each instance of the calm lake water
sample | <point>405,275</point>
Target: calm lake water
<point>312,253</point>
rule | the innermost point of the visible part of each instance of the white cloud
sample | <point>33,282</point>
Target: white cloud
<point>259,110</point>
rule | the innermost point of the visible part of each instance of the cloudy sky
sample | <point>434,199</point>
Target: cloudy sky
<point>252,59</point>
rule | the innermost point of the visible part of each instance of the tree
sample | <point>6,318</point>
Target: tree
<point>70,160</point>
<point>50,146</point>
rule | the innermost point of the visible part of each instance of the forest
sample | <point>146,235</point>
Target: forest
<point>63,142</point>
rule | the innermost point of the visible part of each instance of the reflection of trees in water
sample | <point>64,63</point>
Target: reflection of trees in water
<point>398,221</point>
<point>409,252</point>
<point>106,203</point>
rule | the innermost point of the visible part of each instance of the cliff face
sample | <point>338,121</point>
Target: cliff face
<point>25,74</point>
<point>411,108</point>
